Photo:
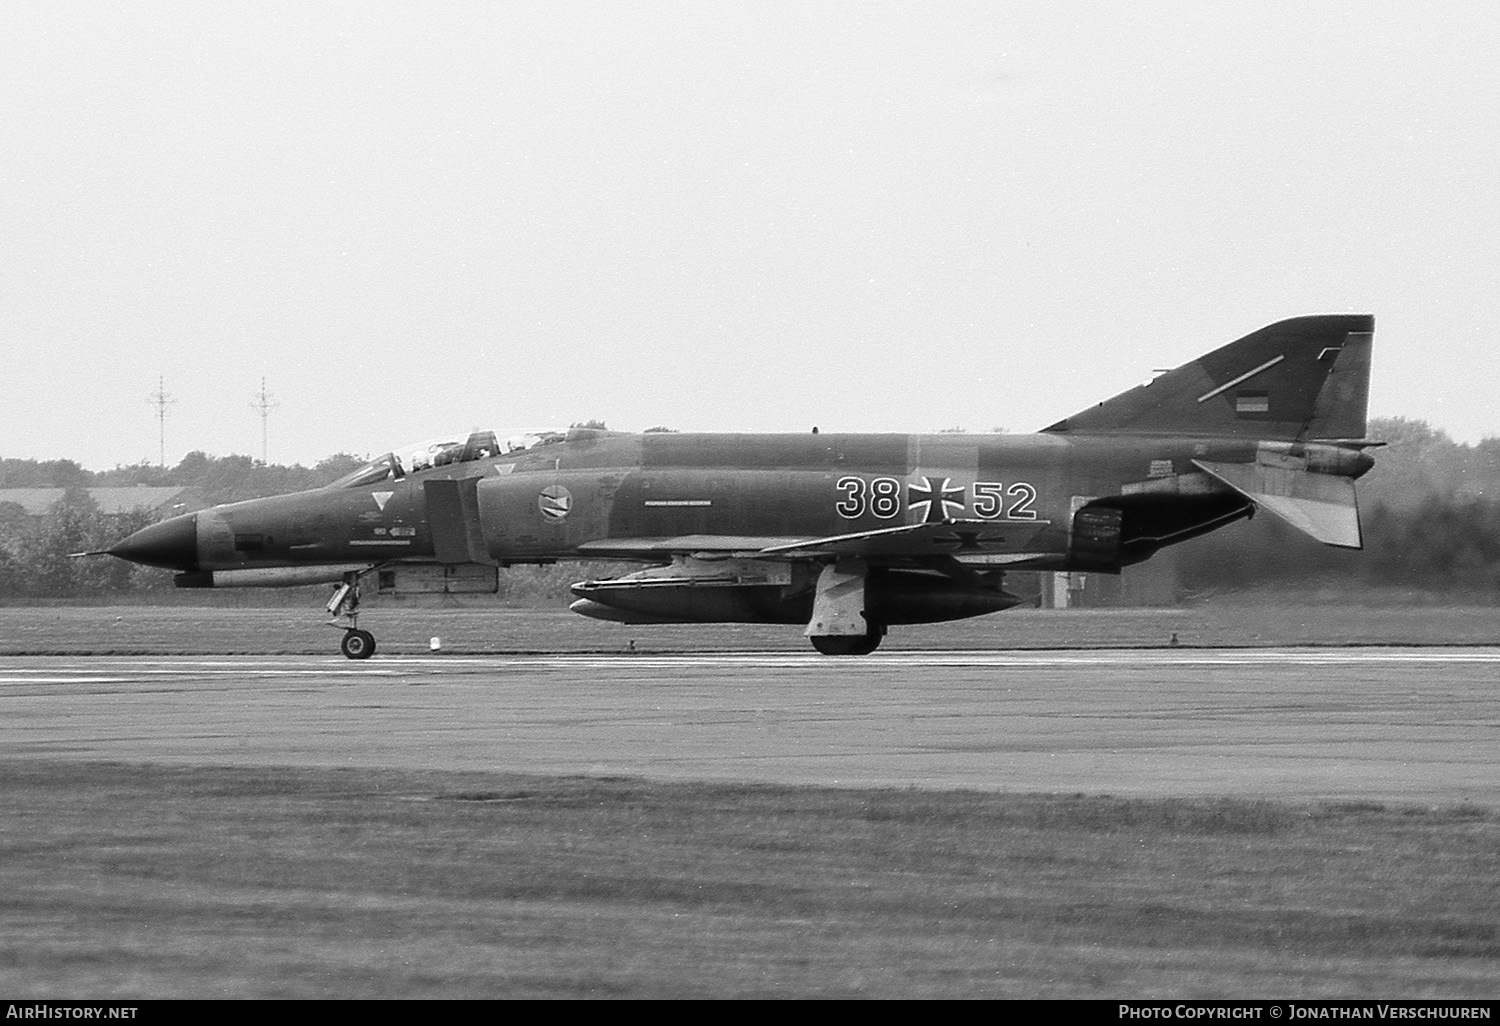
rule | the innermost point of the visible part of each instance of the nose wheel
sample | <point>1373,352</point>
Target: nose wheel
<point>357,644</point>
<point>344,608</point>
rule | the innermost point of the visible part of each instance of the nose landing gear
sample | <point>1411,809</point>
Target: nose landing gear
<point>344,608</point>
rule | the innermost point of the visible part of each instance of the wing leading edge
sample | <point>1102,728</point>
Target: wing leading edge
<point>914,541</point>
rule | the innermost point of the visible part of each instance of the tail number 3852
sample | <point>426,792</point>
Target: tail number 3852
<point>883,497</point>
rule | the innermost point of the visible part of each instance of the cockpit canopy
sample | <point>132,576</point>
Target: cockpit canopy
<point>442,452</point>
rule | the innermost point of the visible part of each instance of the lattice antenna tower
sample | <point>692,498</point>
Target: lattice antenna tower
<point>263,404</point>
<point>161,399</point>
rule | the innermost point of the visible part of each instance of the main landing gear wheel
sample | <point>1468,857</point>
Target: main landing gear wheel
<point>846,644</point>
<point>358,644</point>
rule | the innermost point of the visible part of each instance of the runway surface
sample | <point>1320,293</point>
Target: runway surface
<point>1402,725</point>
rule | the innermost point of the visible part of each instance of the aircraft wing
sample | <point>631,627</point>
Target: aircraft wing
<point>913,541</point>
<point>659,548</point>
<point>937,538</point>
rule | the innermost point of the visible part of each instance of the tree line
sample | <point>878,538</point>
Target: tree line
<point>218,478</point>
<point>35,552</point>
<point>1431,517</point>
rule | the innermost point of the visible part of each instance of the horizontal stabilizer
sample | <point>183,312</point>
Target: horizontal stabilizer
<point>1323,506</point>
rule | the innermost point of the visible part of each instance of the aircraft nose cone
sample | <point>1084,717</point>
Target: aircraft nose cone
<point>172,544</point>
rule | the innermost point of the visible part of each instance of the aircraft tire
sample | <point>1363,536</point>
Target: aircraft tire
<point>357,645</point>
<point>846,645</point>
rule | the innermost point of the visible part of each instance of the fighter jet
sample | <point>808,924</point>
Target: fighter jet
<point>847,535</point>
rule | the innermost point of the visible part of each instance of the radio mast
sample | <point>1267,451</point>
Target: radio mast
<point>264,404</point>
<point>161,399</point>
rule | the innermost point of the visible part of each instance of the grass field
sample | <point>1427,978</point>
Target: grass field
<point>402,628</point>
<point>142,881</point>
<point>124,881</point>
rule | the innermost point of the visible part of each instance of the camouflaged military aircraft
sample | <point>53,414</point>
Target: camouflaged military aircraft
<point>847,534</point>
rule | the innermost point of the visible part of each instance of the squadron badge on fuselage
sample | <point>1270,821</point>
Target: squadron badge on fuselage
<point>555,502</point>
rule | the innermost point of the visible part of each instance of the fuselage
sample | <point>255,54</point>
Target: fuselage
<point>606,494</point>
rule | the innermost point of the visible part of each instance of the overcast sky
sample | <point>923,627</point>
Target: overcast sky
<point>724,216</point>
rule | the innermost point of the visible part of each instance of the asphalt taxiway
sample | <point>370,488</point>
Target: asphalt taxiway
<point>1405,725</point>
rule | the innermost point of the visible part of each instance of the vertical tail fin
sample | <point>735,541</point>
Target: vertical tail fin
<point>1295,380</point>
